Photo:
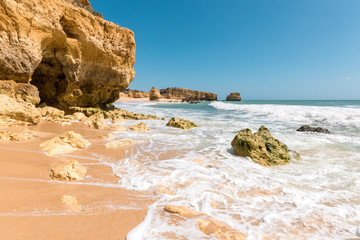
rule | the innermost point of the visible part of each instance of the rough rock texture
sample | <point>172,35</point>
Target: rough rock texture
<point>115,114</point>
<point>97,121</point>
<point>20,91</point>
<point>19,110</point>
<point>120,143</point>
<point>130,93</point>
<point>235,96</point>
<point>181,123</point>
<point>307,128</point>
<point>154,94</point>
<point>51,113</point>
<point>68,170</point>
<point>65,143</point>
<point>261,147</point>
<point>18,136</point>
<point>72,56</point>
<point>207,224</point>
<point>187,95</point>
<point>139,127</point>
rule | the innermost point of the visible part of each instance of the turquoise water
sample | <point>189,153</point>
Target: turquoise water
<point>315,198</point>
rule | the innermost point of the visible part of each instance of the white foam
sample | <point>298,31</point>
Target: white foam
<point>317,196</point>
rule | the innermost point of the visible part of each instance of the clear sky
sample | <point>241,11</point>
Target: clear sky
<point>265,49</point>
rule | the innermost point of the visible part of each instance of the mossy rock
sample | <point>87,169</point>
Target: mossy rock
<point>261,147</point>
<point>181,123</point>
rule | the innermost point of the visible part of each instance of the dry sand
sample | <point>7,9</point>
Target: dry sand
<point>31,205</point>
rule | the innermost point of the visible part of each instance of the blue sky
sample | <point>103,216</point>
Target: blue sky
<point>265,49</point>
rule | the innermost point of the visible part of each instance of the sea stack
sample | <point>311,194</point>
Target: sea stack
<point>154,94</point>
<point>64,48</point>
<point>235,96</point>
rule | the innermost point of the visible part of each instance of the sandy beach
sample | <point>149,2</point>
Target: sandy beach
<point>31,205</point>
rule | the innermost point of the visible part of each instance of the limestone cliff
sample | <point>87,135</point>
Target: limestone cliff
<point>187,94</point>
<point>63,47</point>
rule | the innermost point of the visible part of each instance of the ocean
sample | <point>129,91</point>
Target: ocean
<point>317,197</point>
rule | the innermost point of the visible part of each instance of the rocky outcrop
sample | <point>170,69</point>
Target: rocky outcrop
<point>307,128</point>
<point>20,91</point>
<point>139,127</point>
<point>115,114</point>
<point>154,94</point>
<point>181,123</point>
<point>120,143</point>
<point>18,136</point>
<point>97,121</point>
<point>73,57</point>
<point>261,147</point>
<point>235,96</point>
<point>206,224</point>
<point>187,95</point>
<point>18,110</point>
<point>129,93</point>
<point>68,170</point>
<point>65,143</point>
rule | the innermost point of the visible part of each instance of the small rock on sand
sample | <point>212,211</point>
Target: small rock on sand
<point>68,170</point>
<point>118,128</point>
<point>181,123</point>
<point>207,224</point>
<point>120,143</point>
<point>65,143</point>
<point>71,202</point>
<point>139,127</point>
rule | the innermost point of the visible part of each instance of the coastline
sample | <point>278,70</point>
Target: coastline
<point>31,204</point>
<point>126,99</point>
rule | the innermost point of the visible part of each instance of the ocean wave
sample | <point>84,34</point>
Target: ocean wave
<point>317,115</point>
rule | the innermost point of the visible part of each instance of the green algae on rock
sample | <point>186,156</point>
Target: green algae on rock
<point>181,123</point>
<point>261,147</point>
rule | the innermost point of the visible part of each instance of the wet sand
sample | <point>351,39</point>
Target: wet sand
<point>31,204</point>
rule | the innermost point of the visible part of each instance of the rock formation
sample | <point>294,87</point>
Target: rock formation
<point>20,91</point>
<point>120,143</point>
<point>65,143</point>
<point>181,123</point>
<point>97,121</point>
<point>129,93</point>
<point>187,95</point>
<point>261,147</point>
<point>18,136</point>
<point>68,170</point>
<point>139,127</point>
<point>154,94</point>
<point>307,128</point>
<point>18,110</point>
<point>235,96</point>
<point>206,224</point>
<point>73,56</point>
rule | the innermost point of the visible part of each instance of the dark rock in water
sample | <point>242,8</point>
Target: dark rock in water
<point>261,147</point>
<point>307,128</point>
<point>235,96</point>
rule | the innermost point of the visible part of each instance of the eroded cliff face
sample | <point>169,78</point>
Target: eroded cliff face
<point>73,56</point>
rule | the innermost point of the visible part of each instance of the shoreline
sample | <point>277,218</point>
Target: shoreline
<point>31,202</point>
<point>126,99</point>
